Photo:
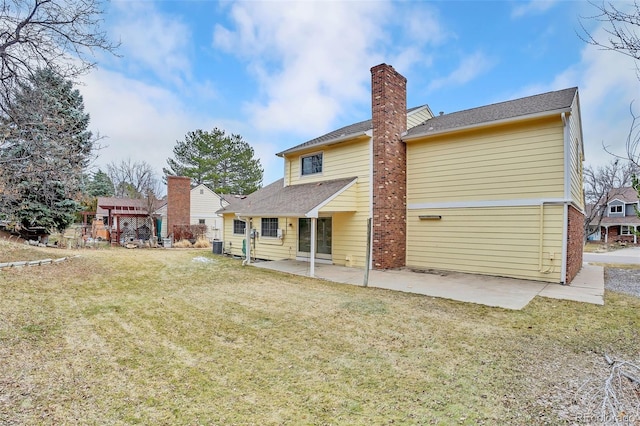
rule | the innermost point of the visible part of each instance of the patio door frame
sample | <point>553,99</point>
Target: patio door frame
<point>313,238</point>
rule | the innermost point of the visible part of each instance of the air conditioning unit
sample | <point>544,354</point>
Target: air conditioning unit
<point>280,233</point>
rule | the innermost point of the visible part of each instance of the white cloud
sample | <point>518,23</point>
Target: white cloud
<point>144,122</point>
<point>139,121</point>
<point>470,67</point>
<point>532,7</point>
<point>153,41</point>
<point>311,58</point>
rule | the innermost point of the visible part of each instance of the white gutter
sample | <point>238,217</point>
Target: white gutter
<point>487,124</point>
<point>339,139</point>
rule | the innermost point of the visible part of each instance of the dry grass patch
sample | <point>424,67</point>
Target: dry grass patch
<point>187,337</point>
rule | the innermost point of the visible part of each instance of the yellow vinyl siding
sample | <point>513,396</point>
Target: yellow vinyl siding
<point>501,241</point>
<point>576,156</point>
<point>339,161</point>
<point>230,237</point>
<point>268,248</point>
<point>350,210</point>
<point>271,248</point>
<point>345,202</point>
<point>349,239</point>
<point>510,162</point>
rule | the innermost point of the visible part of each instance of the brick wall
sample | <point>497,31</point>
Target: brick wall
<point>178,202</point>
<point>575,243</point>
<point>614,236</point>
<point>389,115</point>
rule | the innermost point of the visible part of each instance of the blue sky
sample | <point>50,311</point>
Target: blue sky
<point>280,73</point>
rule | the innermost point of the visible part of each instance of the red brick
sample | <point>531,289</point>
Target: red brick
<point>178,202</point>
<point>389,116</point>
<point>575,243</point>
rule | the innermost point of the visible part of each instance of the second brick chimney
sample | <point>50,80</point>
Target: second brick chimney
<point>389,115</point>
<point>178,202</point>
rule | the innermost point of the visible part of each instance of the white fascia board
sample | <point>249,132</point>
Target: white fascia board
<point>315,212</point>
<point>339,139</point>
<point>487,203</point>
<point>487,124</point>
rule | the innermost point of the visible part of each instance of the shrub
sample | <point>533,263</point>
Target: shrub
<point>202,243</point>
<point>182,244</point>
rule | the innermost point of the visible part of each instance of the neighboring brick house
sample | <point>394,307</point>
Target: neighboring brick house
<point>620,221</point>
<point>493,190</point>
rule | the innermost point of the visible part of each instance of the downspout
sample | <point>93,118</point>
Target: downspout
<point>567,196</point>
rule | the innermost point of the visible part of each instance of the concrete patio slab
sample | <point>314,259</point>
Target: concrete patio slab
<point>506,293</point>
<point>587,286</point>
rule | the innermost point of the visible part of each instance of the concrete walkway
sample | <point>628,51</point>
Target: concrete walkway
<point>507,293</point>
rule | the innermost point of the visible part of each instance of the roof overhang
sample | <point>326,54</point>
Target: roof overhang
<point>340,139</point>
<point>486,124</point>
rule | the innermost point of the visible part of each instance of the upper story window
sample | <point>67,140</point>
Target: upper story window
<point>311,164</point>
<point>238,227</point>
<point>615,209</point>
<point>269,227</point>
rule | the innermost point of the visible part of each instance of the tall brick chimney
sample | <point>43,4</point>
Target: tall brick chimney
<point>178,201</point>
<point>389,114</point>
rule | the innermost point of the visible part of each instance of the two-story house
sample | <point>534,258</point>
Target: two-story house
<point>620,221</point>
<point>492,190</point>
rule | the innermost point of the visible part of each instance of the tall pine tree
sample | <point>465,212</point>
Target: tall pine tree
<point>224,163</point>
<point>46,150</point>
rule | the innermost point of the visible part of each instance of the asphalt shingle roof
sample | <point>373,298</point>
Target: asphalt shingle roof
<point>292,200</point>
<point>545,102</point>
<point>352,129</point>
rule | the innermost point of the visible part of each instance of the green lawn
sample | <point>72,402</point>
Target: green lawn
<point>122,336</point>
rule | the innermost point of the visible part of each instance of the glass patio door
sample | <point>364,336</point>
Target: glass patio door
<point>323,237</point>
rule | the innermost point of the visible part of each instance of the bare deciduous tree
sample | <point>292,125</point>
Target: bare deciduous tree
<point>620,24</point>
<point>59,35</point>
<point>133,179</point>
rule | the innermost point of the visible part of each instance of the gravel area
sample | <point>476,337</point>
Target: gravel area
<point>623,280</point>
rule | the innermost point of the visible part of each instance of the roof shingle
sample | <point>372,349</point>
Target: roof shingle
<point>293,200</point>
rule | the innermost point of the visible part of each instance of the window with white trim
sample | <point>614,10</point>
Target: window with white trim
<point>615,209</point>
<point>239,227</point>
<point>311,164</point>
<point>269,227</point>
<point>626,230</point>
<point>201,221</point>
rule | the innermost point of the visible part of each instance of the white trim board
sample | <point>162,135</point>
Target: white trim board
<point>487,203</point>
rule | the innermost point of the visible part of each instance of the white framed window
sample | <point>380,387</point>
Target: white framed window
<point>269,227</point>
<point>201,221</point>
<point>239,227</point>
<point>626,230</point>
<point>311,164</point>
<point>615,209</point>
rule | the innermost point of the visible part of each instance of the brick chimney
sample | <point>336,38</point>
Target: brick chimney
<point>178,202</point>
<point>389,114</point>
